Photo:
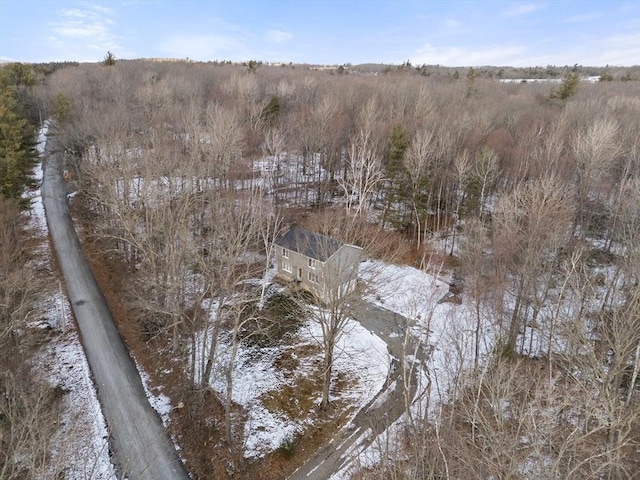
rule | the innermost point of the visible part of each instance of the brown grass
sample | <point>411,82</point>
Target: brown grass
<point>295,401</point>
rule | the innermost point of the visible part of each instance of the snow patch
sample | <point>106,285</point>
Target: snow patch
<point>82,446</point>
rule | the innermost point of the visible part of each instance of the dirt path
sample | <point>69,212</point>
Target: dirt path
<point>381,412</point>
<point>140,445</point>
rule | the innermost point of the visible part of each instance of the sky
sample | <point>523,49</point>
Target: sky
<point>449,33</point>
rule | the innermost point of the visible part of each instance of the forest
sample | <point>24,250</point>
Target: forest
<point>522,198</point>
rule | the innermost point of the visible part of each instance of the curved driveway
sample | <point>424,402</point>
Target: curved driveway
<point>140,446</point>
<point>383,410</point>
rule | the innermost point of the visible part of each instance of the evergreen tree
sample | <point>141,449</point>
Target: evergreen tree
<point>18,75</point>
<point>271,111</point>
<point>61,108</point>
<point>567,88</point>
<point>252,66</point>
<point>395,187</point>
<point>109,60</point>
<point>17,147</point>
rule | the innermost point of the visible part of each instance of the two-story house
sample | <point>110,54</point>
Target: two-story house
<point>319,264</point>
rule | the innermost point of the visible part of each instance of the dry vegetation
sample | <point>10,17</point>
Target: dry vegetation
<point>531,198</point>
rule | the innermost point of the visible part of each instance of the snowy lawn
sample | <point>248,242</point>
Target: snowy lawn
<point>444,329</point>
<point>361,357</point>
<point>361,360</point>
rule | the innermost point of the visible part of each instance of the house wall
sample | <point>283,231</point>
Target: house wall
<point>300,270</point>
<point>336,276</point>
<point>341,271</point>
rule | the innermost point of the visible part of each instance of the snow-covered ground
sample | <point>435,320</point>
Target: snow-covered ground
<point>81,447</point>
<point>359,356</point>
<point>442,328</point>
<point>82,444</point>
<point>445,330</point>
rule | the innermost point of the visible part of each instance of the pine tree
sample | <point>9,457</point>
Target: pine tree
<point>395,188</point>
<point>17,147</point>
<point>252,66</point>
<point>109,60</point>
<point>271,111</point>
<point>18,75</point>
<point>61,108</point>
<point>568,87</point>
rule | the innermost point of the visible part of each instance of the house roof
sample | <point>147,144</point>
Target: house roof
<point>310,244</point>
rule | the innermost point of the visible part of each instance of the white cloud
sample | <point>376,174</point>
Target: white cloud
<point>521,9</point>
<point>204,47</point>
<point>581,17</point>
<point>620,50</point>
<point>594,50</point>
<point>464,56</point>
<point>76,23</point>
<point>73,13</point>
<point>80,32</point>
<point>278,36</point>
<point>451,23</point>
<point>103,10</point>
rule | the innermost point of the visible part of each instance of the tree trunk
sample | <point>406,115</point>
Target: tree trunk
<point>206,375</point>
<point>510,347</point>
<point>327,370</point>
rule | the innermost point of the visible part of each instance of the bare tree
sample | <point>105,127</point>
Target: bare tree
<point>224,141</point>
<point>275,147</point>
<point>462,169</point>
<point>237,227</point>
<point>479,280</point>
<point>18,284</point>
<point>417,162</point>
<point>531,227</point>
<point>29,410</point>
<point>485,171</point>
<point>29,406</point>
<point>339,296</point>
<point>363,172</point>
<point>342,290</point>
<point>270,228</point>
<point>595,148</point>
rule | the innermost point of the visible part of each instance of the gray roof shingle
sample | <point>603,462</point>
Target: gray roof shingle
<point>310,244</point>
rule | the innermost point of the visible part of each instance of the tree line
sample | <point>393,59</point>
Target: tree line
<point>17,134</point>
<point>29,405</point>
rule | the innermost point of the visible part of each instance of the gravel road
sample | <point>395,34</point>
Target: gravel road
<point>140,446</point>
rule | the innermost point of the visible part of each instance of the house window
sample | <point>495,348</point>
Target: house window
<point>286,266</point>
<point>313,277</point>
<point>312,263</point>
<point>285,253</point>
